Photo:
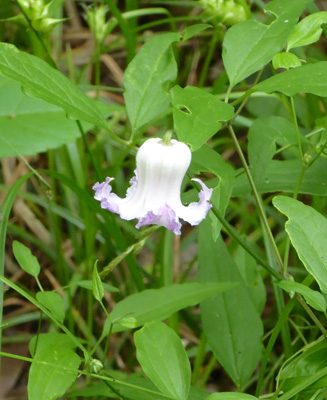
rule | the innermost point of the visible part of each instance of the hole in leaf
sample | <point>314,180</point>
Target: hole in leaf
<point>184,109</point>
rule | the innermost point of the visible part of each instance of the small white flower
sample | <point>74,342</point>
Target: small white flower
<point>154,194</point>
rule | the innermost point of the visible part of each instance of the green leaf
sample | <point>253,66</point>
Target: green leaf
<point>252,278</point>
<point>208,160</point>
<point>310,78</point>
<point>196,114</point>
<point>163,359</point>
<point>97,286</point>
<point>53,302</point>
<point>231,322</point>
<point>29,126</point>
<point>193,30</point>
<point>307,31</point>
<point>286,60</point>
<point>39,79</point>
<point>307,229</point>
<point>25,259</point>
<point>315,299</point>
<point>282,176</point>
<point>52,372</point>
<point>148,78</point>
<point>250,45</point>
<point>46,339</point>
<point>263,135</point>
<point>309,362</point>
<point>158,304</point>
<point>231,396</point>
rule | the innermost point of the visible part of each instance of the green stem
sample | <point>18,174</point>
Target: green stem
<point>4,213</point>
<point>208,58</point>
<point>298,134</point>
<point>128,34</point>
<point>257,198</point>
<point>39,37</point>
<point>234,234</point>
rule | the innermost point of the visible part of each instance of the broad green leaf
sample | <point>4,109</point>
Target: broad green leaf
<point>52,372</point>
<point>148,78</point>
<point>25,259</point>
<point>29,126</point>
<point>39,79</point>
<point>250,45</point>
<point>286,60</point>
<point>307,31</point>
<point>250,273</point>
<point>309,362</point>
<point>206,159</point>
<point>47,339</point>
<point>132,387</point>
<point>231,322</point>
<point>307,229</point>
<point>53,302</point>
<point>263,135</point>
<point>312,297</point>
<point>310,78</point>
<point>193,30</point>
<point>97,286</point>
<point>197,114</point>
<point>158,304</point>
<point>282,176</point>
<point>231,396</point>
<point>163,359</point>
<point>88,285</point>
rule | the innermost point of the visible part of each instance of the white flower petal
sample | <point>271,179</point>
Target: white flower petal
<point>154,194</point>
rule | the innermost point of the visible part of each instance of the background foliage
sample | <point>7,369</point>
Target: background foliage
<point>235,308</point>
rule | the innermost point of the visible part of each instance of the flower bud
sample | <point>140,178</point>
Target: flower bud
<point>96,20</point>
<point>96,366</point>
<point>34,9</point>
<point>128,322</point>
<point>227,12</point>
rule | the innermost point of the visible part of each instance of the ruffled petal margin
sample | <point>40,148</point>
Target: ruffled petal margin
<point>194,213</point>
<point>165,216</point>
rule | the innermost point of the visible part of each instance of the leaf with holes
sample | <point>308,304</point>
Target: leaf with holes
<point>197,114</point>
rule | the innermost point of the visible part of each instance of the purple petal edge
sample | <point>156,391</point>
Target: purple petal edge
<point>165,216</point>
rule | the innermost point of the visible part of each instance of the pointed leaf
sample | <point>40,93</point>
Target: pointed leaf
<point>307,31</point>
<point>307,229</point>
<point>163,359</point>
<point>25,259</point>
<point>310,78</point>
<point>97,286</point>
<point>39,79</point>
<point>158,304</point>
<point>250,45</point>
<point>231,322</point>
<point>312,297</point>
<point>148,78</point>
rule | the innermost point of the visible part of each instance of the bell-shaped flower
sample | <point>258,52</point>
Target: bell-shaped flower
<point>154,194</point>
